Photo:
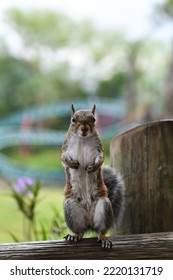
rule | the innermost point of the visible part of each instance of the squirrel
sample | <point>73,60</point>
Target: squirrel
<point>93,194</point>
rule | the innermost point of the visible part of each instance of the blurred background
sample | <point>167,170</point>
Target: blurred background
<point>117,54</point>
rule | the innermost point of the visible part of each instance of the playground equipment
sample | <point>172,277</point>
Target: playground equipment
<point>11,134</point>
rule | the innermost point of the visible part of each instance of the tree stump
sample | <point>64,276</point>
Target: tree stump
<point>144,156</point>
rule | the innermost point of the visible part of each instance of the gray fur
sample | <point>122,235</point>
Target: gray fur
<point>79,220</point>
<point>116,189</point>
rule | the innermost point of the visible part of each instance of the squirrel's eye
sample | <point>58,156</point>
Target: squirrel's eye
<point>73,120</point>
<point>94,120</point>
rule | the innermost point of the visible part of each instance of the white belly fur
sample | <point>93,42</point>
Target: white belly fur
<point>84,185</point>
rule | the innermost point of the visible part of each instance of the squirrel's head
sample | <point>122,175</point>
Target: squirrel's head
<point>83,121</point>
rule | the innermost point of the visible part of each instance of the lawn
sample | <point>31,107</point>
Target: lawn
<point>11,220</point>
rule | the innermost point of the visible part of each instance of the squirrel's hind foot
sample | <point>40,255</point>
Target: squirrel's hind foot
<point>73,238</point>
<point>106,243</point>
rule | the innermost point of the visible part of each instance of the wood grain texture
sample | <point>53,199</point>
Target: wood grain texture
<point>144,156</point>
<point>126,247</point>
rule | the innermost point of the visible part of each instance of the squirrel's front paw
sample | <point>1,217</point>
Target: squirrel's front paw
<point>91,168</point>
<point>73,163</point>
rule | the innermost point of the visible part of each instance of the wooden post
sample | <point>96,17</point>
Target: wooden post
<point>144,156</point>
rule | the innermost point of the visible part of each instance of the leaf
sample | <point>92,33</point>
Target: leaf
<point>14,237</point>
<point>19,200</point>
<point>43,231</point>
<point>36,189</point>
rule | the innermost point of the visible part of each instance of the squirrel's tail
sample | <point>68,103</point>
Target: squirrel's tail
<point>116,189</point>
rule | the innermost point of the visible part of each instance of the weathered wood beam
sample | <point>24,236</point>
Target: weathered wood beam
<point>136,246</point>
<point>144,157</point>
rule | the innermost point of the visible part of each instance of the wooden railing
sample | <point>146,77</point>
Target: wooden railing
<point>136,246</point>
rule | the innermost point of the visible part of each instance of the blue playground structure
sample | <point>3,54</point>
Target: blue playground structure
<point>11,133</point>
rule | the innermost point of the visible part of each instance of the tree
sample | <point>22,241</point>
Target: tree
<point>17,78</point>
<point>62,58</point>
<point>67,56</point>
<point>112,87</point>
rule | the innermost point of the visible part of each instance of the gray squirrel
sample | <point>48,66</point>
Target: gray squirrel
<point>93,194</point>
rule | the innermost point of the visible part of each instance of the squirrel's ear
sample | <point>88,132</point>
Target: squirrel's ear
<point>93,109</point>
<point>72,109</point>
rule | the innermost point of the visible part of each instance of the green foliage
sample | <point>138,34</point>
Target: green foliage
<point>26,195</point>
<point>16,80</point>
<point>26,200</point>
<point>165,8</point>
<point>12,222</point>
<point>61,58</point>
<point>59,226</point>
<point>44,76</point>
<point>22,84</point>
<point>43,27</point>
<point>40,79</point>
<point>112,87</point>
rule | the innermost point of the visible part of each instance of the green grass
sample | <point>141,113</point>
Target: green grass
<point>11,220</point>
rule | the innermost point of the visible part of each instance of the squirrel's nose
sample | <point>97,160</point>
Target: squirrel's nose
<point>84,127</point>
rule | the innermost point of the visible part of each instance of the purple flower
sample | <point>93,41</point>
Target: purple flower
<point>22,186</point>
